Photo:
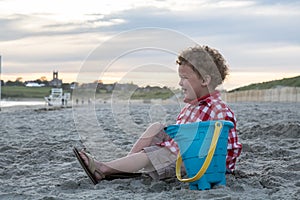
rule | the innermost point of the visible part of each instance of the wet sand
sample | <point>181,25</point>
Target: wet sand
<point>37,161</point>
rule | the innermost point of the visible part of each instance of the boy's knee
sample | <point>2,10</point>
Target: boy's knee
<point>153,129</point>
<point>156,127</point>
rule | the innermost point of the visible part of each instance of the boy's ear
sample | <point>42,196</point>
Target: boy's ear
<point>206,80</point>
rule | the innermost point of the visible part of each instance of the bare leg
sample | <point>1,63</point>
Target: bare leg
<point>130,163</point>
<point>135,160</point>
<point>146,139</point>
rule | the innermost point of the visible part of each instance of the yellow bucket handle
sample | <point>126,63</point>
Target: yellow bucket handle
<point>212,148</point>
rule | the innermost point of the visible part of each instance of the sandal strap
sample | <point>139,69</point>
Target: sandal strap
<point>92,166</point>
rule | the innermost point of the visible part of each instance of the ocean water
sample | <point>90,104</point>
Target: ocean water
<point>7,103</point>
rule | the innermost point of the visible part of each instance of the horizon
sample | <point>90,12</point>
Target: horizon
<point>144,84</point>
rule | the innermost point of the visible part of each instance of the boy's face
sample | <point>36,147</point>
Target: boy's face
<point>191,83</point>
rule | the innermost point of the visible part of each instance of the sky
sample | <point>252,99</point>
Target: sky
<point>137,41</point>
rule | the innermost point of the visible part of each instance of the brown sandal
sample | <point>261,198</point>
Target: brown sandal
<point>90,170</point>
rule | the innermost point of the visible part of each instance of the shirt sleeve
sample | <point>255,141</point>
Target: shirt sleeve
<point>234,148</point>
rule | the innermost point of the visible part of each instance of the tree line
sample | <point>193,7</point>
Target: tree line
<point>19,82</point>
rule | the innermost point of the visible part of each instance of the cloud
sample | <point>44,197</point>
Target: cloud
<point>19,26</point>
<point>245,35</point>
<point>248,20</point>
<point>249,23</point>
<point>9,28</point>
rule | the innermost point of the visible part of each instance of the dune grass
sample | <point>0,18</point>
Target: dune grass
<point>286,82</point>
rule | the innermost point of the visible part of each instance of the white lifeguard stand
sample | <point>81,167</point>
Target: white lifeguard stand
<point>57,97</point>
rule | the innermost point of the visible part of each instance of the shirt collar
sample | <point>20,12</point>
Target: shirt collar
<point>207,99</point>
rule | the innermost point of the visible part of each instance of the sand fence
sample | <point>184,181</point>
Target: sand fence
<point>279,94</point>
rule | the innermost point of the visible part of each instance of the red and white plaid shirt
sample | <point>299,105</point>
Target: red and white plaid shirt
<point>210,107</point>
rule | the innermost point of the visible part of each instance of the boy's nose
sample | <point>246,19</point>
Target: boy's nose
<point>180,82</point>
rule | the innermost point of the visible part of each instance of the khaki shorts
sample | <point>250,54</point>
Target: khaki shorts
<point>161,158</point>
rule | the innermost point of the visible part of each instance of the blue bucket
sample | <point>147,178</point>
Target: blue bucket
<point>203,150</point>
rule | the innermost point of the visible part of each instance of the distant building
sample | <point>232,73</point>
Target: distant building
<point>34,84</point>
<point>55,82</point>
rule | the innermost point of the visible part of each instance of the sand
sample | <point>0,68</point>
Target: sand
<point>37,161</point>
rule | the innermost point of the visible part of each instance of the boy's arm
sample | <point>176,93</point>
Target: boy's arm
<point>234,149</point>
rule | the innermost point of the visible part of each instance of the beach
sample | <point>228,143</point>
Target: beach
<point>37,161</point>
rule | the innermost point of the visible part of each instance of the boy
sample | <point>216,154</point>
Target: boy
<point>201,69</point>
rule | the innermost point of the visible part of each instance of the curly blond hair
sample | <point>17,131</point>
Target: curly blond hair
<point>205,61</point>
